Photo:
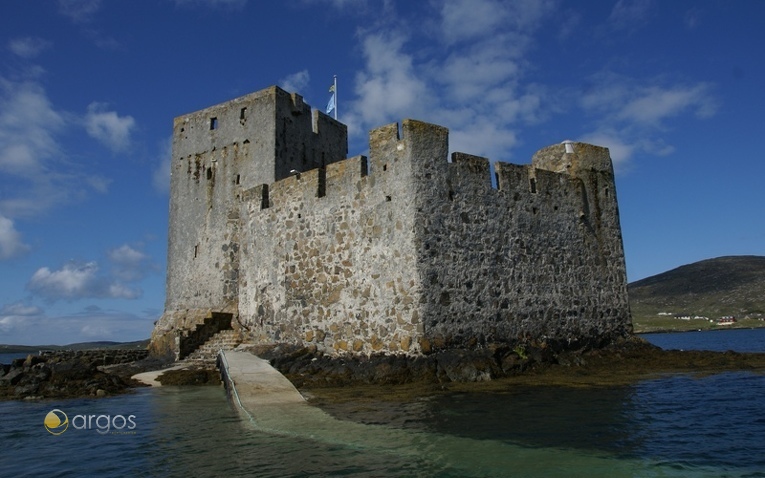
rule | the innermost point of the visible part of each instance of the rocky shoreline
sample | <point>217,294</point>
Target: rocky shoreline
<point>72,374</point>
<point>620,362</point>
<point>105,373</point>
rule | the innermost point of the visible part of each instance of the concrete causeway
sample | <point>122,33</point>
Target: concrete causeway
<point>256,383</point>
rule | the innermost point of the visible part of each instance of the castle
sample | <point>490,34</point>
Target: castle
<point>275,234</point>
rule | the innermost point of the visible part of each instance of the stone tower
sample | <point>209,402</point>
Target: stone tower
<point>218,153</point>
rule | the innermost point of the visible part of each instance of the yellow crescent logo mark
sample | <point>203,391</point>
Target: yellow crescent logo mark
<point>56,422</point>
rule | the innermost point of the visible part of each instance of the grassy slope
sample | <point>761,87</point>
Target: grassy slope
<point>732,285</point>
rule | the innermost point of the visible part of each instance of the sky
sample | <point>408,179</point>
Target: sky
<point>89,89</point>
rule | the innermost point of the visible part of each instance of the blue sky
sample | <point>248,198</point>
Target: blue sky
<point>89,89</point>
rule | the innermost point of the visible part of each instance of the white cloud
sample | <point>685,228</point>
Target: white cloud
<point>28,125</point>
<point>108,127</point>
<point>646,101</point>
<point>628,14</point>
<point>11,244</point>
<point>296,82</point>
<point>38,176</point>
<point>653,104</point>
<point>73,280</point>
<point>345,4</point>
<point>228,4</point>
<point>77,281</point>
<point>28,47</point>
<point>463,70</point>
<point>20,309</point>
<point>632,114</point>
<point>16,316</point>
<point>99,183</point>
<point>483,137</point>
<point>129,264</point>
<point>473,73</point>
<point>389,88</point>
<point>466,19</point>
<point>79,11</point>
<point>126,255</point>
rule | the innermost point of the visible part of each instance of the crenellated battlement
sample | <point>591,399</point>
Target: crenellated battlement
<point>406,252</point>
<point>554,173</point>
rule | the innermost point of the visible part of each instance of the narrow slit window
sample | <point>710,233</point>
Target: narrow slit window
<point>213,123</point>
<point>533,185</point>
<point>243,114</point>
<point>264,203</point>
<point>322,186</point>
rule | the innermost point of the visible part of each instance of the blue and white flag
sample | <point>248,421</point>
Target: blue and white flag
<point>331,104</point>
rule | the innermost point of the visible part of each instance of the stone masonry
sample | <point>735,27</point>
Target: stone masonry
<point>402,252</point>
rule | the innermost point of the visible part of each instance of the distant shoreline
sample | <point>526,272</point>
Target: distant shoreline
<point>690,326</point>
<point>142,344</point>
<point>35,349</point>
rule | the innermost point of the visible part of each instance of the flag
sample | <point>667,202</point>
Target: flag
<point>331,104</point>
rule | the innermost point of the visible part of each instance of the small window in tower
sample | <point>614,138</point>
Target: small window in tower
<point>196,250</point>
<point>213,123</point>
<point>209,173</point>
<point>237,179</point>
<point>533,185</point>
<point>243,114</point>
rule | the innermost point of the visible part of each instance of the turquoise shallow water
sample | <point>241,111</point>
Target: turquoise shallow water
<point>675,426</point>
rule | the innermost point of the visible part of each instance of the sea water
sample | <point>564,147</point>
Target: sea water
<point>680,425</point>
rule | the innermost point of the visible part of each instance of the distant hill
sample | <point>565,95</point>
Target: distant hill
<point>33,349</point>
<point>731,285</point>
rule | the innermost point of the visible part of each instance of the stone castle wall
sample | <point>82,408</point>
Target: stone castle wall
<point>535,258</point>
<point>420,253</point>
<point>401,252</point>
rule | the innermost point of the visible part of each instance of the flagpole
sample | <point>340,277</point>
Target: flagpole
<point>335,85</point>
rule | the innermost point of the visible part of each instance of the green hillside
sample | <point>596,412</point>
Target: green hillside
<point>725,286</point>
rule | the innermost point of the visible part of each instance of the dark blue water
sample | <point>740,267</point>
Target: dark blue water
<point>675,426</point>
<point>8,358</point>
<point>740,340</point>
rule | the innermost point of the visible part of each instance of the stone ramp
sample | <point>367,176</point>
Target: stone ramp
<point>255,383</point>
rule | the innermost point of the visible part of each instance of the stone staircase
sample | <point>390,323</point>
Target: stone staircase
<point>207,353</point>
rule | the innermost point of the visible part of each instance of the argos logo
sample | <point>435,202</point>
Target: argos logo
<point>57,422</point>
